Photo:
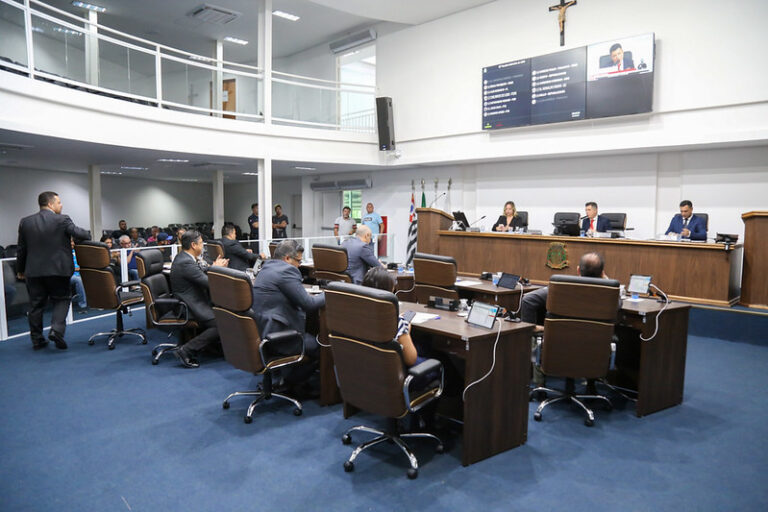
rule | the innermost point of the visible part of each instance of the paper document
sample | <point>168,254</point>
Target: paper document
<point>420,318</point>
<point>467,282</point>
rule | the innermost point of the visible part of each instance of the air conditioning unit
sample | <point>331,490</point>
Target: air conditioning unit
<point>214,14</point>
<point>329,186</point>
<point>353,41</point>
<point>323,186</point>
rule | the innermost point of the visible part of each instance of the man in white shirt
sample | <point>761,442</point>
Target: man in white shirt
<point>345,225</point>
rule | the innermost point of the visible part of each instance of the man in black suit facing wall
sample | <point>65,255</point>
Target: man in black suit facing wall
<point>189,283</point>
<point>239,258</point>
<point>45,260</point>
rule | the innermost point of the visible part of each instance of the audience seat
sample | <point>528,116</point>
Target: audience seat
<point>330,262</point>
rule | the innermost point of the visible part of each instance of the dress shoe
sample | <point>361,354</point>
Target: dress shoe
<point>57,340</point>
<point>39,344</point>
<point>186,360</point>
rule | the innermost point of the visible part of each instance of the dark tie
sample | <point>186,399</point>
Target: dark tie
<point>685,223</point>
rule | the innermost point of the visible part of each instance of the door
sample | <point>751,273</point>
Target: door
<point>228,97</point>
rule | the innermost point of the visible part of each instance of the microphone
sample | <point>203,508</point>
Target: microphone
<point>478,220</point>
<point>433,202</point>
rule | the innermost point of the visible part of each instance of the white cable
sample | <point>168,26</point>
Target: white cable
<point>406,291</point>
<point>493,365</point>
<point>666,303</point>
<point>520,305</point>
<point>317,339</point>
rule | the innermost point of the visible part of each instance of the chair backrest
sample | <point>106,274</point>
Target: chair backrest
<point>523,216</point>
<point>272,247</point>
<point>362,324</point>
<point>618,220</point>
<point>154,284</point>
<point>11,251</point>
<point>566,217</point>
<point>434,275</point>
<point>581,315</point>
<point>214,249</point>
<point>331,262</point>
<point>704,216</point>
<point>98,279</point>
<point>232,300</point>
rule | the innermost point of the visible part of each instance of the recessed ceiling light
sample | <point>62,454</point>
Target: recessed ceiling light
<point>236,40</point>
<point>67,31</point>
<point>111,172</point>
<point>285,15</point>
<point>305,168</point>
<point>200,58</point>
<point>88,6</point>
<point>133,168</point>
<point>189,180</point>
<point>173,160</point>
<point>250,174</point>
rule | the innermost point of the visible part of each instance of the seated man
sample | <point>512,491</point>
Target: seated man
<point>281,303</point>
<point>594,223</point>
<point>360,254</point>
<point>239,258</point>
<point>190,284</point>
<point>133,271</point>
<point>136,240</point>
<point>686,224</point>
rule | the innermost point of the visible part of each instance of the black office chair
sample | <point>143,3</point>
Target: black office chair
<point>331,262</point>
<point>434,276</point>
<point>164,310</point>
<point>618,220</point>
<point>523,216</point>
<point>566,223</point>
<point>704,216</point>
<point>581,315</point>
<point>362,325</point>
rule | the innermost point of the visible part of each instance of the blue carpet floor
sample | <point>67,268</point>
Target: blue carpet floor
<point>90,429</point>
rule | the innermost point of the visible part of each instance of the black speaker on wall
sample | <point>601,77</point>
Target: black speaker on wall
<point>386,123</point>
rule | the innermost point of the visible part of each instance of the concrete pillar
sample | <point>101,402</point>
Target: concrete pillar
<point>218,202</point>
<point>264,59</point>
<point>94,201</point>
<point>265,203</point>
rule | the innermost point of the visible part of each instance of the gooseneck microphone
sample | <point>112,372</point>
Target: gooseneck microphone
<point>475,222</point>
<point>438,197</point>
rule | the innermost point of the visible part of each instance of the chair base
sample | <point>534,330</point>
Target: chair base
<point>571,396</point>
<point>114,334</point>
<point>263,393</point>
<point>395,438</point>
<point>163,348</point>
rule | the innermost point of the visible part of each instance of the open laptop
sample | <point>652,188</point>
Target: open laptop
<point>482,315</point>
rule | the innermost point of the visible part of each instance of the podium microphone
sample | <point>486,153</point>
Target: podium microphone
<point>475,222</point>
<point>438,197</point>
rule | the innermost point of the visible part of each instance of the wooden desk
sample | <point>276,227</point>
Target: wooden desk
<point>754,290</point>
<point>486,291</point>
<point>654,369</point>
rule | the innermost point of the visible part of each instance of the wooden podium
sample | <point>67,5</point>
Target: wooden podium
<point>754,276</point>
<point>430,221</point>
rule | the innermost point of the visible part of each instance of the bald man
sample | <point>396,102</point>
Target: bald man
<point>360,254</point>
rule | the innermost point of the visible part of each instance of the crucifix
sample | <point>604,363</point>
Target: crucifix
<point>562,7</point>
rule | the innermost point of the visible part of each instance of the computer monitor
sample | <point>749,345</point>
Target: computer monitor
<point>567,227</point>
<point>461,219</point>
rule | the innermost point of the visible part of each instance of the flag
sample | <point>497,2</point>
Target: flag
<point>423,199</point>
<point>412,231</point>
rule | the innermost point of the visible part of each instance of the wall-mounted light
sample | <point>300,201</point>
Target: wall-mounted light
<point>305,168</point>
<point>235,40</point>
<point>173,160</point>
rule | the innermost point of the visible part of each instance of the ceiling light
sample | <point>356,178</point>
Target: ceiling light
<point>88,6</point>
<point>305,168</point>
<point>200,58</point>
<point>250,174</point>
<point>173,160</point>
<point>67,31</point>
<point>286,15</point>
<point>133,168</point>
<point>236,40</point>
<point>110,172</point>
<point>191,180</point>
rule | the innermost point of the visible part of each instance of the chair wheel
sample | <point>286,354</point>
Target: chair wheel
<point>439,448</point>
<point>91,342</point>
<point>247,419</point>
<point>143,341</point>
<point>537,416</point>
<point>154,352</point>
<point>588,422</point>
<point>346,439</point>
<point>155,361</point>
<point>111,347</point>
<point>297,412</point>
<point>349,467</point>
<point>412,473</point>
<point>225,405</point>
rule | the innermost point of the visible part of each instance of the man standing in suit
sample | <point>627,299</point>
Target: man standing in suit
<point>594,223</point>
<point>360,256</point>
<point>281,303</point>
<point>622,62</point>
<point>190,284</point>
<point>686,224</point>
<point>45,260</point>
<point>239,258</point>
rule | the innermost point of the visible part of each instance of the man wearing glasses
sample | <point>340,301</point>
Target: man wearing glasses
<point>281,303</point>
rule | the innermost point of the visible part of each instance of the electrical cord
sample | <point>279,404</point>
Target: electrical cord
<point>493,365</point>
<point>666,303</point>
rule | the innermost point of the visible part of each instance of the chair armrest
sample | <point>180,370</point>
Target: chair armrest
<point>281,338</point>
<point>130,283</point>
<point>164,305</point>
<point>419,376</point>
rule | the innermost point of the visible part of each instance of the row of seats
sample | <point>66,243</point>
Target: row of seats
<point>618,220</point>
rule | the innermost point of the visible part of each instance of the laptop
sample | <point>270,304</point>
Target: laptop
<point>482,315</point>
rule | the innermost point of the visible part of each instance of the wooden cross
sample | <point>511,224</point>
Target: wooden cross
<point>562,7</point>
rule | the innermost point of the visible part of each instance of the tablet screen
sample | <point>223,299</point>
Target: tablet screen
<point>638,284</point>
<point>482,315</point>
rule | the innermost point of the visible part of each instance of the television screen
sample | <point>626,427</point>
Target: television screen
<point>558,86</point>
<point>620,76</point>
<point>507,95</point>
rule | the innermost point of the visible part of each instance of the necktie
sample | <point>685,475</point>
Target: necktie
<point>685,223</point>
<point>592,224</point>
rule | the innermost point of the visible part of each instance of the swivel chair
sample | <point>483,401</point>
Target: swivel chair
<point>163,310</point>
<point>578,330</point>
<point>435,276</point>
<point>331,262</point>
<point>523,216</point>
<point>566,223</point>
<point>704,216</point>
<point>103,292</point>
<point>213,250</point>
<point>243,347</point>
<point>618,220</point>
<point>362,325</point>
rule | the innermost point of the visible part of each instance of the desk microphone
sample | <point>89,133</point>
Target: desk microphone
<point>438,197</point>
<point>475,222</point>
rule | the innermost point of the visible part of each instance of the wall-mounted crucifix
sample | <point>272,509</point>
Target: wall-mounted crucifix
<point>561,8</point>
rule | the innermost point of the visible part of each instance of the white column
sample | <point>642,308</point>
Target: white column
<point>218,79</point>
<point>265,60</point>
<point>265,203</point>
<point>218,202</point>
<point>28,32</point>
<point>92,50</point>
<point>94,201</point>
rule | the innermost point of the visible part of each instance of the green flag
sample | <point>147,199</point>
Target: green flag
<point>423,199</point>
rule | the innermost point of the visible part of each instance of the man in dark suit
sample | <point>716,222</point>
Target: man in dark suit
<point>190,284</point>
<point>620,60</point>
<point>281,303</point>
<point>239,258</point>
<point>686,224</point>
<point>44,258</point>
<point>593,222</point>
<point>360,256</point>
